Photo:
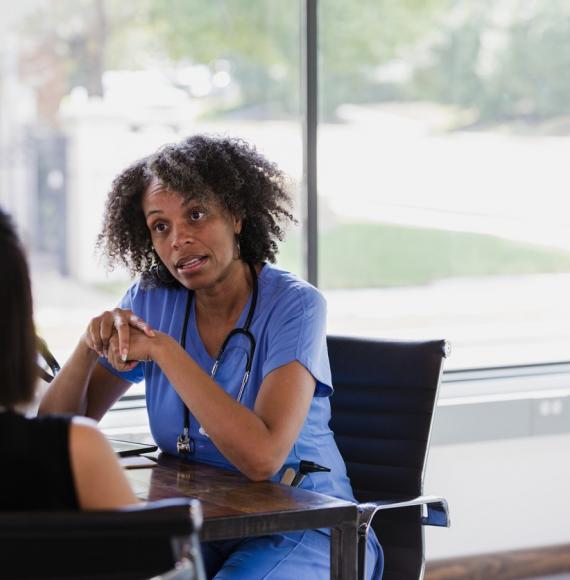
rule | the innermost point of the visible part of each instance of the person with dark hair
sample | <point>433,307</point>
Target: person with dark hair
<point>231,348</point>
<point>54,462</point>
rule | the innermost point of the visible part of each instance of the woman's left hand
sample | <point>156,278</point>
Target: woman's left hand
<point>140,349</point>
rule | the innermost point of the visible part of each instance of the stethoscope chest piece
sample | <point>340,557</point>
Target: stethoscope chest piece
<point>184,444</point>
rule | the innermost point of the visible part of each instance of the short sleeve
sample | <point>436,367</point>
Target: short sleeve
<point>137,374</point>
<point>297,332</point>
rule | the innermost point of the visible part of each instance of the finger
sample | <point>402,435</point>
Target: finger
<point>106,329</point>
<point>111,354</point>
<point>89,340</point>
<point>139,323</point>
<point>94,338</point>
<point>122,327</point>
<point>114,356</point>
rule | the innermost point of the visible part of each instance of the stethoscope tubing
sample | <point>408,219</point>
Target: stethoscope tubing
<point>184,438</point>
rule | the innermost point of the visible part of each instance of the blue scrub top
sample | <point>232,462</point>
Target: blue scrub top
<point>289,324</point>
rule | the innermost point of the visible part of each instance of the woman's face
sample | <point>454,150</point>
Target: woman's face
<point>194,240</point>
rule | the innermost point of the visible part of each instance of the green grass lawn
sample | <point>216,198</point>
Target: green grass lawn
<point>363,255</point>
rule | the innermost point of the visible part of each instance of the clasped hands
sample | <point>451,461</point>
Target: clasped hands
<point>122,337</point>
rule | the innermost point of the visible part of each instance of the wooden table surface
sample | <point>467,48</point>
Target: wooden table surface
<point>235,507</point>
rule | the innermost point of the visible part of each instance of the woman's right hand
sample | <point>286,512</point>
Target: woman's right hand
<point>119,320</point>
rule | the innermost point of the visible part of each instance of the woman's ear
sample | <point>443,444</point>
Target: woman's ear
<point>237,225</point>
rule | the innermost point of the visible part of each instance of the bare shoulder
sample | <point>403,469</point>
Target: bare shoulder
<point>85,434</point>
<point>99,480</point>
<point>88,446</point>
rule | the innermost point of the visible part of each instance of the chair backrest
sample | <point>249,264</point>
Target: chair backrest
<point>135,542</point>
<point>382,412</point>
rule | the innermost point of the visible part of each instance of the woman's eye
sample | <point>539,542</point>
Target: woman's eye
<point>197,215</point>
<point>159,227</point>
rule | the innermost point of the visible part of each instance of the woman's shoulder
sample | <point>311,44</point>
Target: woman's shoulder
<point>289,292</point>
<point>99,480</point>
<point>140,293</point>
<point>26,434</point>
<point>283,284</point>
<point>47,426</point>
<point>85,434</point>
<point>44,423</point>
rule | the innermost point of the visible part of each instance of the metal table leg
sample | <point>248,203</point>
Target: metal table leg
<point>344,552</point>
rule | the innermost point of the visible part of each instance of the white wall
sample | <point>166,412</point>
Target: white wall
<point>503,495</point>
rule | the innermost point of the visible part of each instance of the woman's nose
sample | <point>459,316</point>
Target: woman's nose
<point>181,236</point>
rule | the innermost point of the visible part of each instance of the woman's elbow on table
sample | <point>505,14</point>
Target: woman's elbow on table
<point>262,466</point>
<point>260,473</point>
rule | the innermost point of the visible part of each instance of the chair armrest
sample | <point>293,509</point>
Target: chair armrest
<point>184,570</point>
<point>437,515</point>
<point>437,510</point>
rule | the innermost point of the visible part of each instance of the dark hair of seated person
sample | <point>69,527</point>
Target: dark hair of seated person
<point>74,462</point>
<point>18,338</point>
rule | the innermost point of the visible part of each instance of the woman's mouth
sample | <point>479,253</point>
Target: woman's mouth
<point>191,263</point>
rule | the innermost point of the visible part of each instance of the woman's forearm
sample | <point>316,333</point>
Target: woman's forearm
<point>67,393</point>
<point>240,435</point>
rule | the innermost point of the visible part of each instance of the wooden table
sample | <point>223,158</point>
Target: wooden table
<point>235,507</point>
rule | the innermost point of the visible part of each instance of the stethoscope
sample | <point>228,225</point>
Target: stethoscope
<point>183,443</point>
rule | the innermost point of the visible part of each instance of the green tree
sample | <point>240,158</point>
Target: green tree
<point>506,61</point>
<point>261,40</point>
<point>67,46</point>
<point>356,38</point>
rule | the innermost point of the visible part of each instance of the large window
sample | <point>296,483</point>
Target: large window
<point>88,86</point>
<point>443,189</point>
<point>442,144</point>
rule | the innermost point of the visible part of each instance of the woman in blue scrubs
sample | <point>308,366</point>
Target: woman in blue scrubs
<point>231,348</point>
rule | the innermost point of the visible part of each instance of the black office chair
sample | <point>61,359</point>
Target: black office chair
<point>159,539</point>
<point>382,412</point>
